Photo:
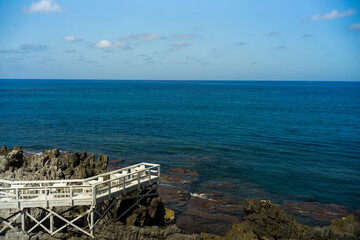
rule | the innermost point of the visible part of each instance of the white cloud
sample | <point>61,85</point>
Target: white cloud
<point>44,6</point>
<point>355,26</point>
<point>71,39</point>
<point>149,37</point>
<point>184,36</point>
<point>273,33</point>
<point>108,44</point>
<point>179,45</point>
<point>71,51</point>
<point>306,36</point>
<point>142,37</point>
<point>26,48</point>
<point>332,15</point>
<point>241,43</point>
<point>279,48</point>
<point>33,47</point>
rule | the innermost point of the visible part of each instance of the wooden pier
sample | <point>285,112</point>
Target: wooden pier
<point>91,193</point>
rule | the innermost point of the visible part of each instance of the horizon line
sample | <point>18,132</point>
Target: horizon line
<point>218,80</point>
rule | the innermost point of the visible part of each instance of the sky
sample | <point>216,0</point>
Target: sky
<point>180,40</point>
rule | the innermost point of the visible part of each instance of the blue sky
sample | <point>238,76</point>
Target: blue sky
<point>189,40</point>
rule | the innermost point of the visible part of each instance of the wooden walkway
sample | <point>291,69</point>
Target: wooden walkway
<point>91,192</point>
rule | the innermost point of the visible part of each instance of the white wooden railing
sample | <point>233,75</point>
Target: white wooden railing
<point>89,191</point>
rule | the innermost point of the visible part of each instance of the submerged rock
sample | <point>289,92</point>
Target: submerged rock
<point>267,221</point>
<point>320,213</point>
<point>183,171</point>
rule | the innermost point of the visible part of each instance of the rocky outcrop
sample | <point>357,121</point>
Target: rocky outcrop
<point>148,221</point>
<point>149,214</point>
<point>12,159</point>
<point>267,221</point>
<point>169,217</point>
<point>16,234</point>
<point>50,164</point>
<point>108,231</point>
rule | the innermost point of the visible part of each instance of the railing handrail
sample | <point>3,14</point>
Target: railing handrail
<point>47,194</point>
<point>81,180</point>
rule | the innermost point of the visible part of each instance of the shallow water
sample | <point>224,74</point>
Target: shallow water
<point>272,140</point>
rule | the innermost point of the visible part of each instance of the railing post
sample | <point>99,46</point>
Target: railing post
<point>17,197</point>
<point>23,220</point>
<point>159,174</point>
<point>109,186</point>
<point>46,202</point>
<point>94,194</point>
<point>51,223</point>
<point>149,171</point>
<point>138,175</point>
<point>115,208</point>
<point>71,195</point>
<point>92,222</point>
<point>124,179</point>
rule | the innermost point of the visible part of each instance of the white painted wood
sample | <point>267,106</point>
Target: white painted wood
<point>77,192</point>
<point>80,192</point>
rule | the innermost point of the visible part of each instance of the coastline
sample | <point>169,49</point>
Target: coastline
<point>206,213</point>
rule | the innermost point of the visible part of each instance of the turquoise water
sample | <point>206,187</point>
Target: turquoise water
<point>277,140</point>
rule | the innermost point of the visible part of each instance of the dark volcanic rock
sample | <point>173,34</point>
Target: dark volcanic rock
<point>321,213</point>
<point>219,185</point>
<point>267,221</point>
<point>11,160</point>
<point>203,215</point>
<point>53,164</point>
<point>183,171</point>
<point>172,194</point>
<point>3,150</point>
<point>50,164</point>
<point>152,213</point>
<point>117,231</point>
<point>177,180</point>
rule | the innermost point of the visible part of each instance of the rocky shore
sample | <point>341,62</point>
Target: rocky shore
<point>151,220</point>
<point>200,215</point>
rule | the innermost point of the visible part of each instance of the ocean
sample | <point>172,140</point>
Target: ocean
<point>278,140</point>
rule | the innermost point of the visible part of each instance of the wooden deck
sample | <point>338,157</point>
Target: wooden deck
<point>80,192</point>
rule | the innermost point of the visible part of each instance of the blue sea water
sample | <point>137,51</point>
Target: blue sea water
<point>274,140</point>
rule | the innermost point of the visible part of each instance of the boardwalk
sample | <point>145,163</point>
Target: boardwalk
<point>91,192</point>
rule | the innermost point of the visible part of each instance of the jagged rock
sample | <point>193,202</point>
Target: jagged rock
<point>15,158</point>
<point>83,156</point>
<point>11,159</point>
<point>52,164</point>
<point>118,231</point>
<point>169,217</point>
<point>267,221</point>
<point>152,213</point>
<point>3,150</point>
<point>101,164</point>
<point>16,234</point>
<point>54,153</point>
<point>4,166</point>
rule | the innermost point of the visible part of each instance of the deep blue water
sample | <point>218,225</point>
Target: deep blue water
<point>277,140</point>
